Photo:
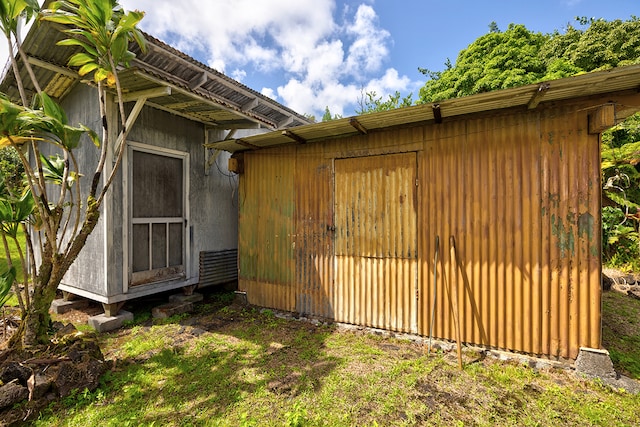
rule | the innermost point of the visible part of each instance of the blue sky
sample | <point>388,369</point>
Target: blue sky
<point>310,54</point>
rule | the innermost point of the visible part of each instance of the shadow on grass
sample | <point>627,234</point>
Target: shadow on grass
<point>196,369</point>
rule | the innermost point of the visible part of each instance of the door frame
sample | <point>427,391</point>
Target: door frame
<point>127,191</point>
<point>415,307</point>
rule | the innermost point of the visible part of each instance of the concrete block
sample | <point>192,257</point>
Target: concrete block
<point>104,323</point>
<point>61,306</point>
<point>595,362</point>
<point>171,309</point>
<point>180,298</point>
<point>240,298</point>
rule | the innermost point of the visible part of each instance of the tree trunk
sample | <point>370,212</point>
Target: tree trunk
<point>34,327</point>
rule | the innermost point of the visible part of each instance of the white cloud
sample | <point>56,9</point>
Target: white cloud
<point>369,49</point>
<point>238,74</point>
<point>238,32</point>
<point>311,53</point>
<point>306,99</point>
<point>391,81</point>
<point>268,92</point>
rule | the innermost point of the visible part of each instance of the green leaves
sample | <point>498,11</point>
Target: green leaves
<point>103,30</point>
<point>53,169</point>
<point>7,278</point>
<point>517,56</point>
<point>497,60</point>
<point>15,211</point>
<point>11,10</point>
<point>46,121</point>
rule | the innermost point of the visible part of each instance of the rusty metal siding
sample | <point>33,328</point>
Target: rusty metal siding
<point>314,232</point>
<point>376,241</point>
<point>520,194</point>
<point>267,236</point>
<point>519,191</point>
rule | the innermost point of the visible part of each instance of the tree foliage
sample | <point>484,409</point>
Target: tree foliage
<point>370,102</point>
<point>11,170</point>
<point>51,201</point>
<point>327,116</point>
<point>518,56</point>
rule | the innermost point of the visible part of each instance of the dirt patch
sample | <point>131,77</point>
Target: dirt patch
<point>32,379</point>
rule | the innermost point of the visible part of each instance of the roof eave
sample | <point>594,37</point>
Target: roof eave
<point>530,97</point>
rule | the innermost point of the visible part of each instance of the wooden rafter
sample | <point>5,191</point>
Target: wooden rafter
<point>537,97</point>
<point>359,127</point>
<point>294,137</point>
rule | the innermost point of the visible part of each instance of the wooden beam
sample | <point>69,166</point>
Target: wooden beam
<point>537,97</point>
<point>286,122</point>
<point>246,144</point>
<point>250,105</point>
<point>218,78</point>
<point>437,113</point>
<point>602,119</point>
<point>356,124</point>
<point>131,119</point>
<point>293,136</point>
<point>148,93</point>
<point>52,67</point>
<point>208,101</point>
<point>198,81</point>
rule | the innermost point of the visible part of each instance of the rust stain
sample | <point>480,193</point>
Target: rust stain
<point>564,234</point>
<point>360,233</point>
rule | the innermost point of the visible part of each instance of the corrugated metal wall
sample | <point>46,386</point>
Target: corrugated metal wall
<point>376,241</point>
<point>340,230</point>
<point>314,232</point>
<point>520,195</point>
<point>267,239</point>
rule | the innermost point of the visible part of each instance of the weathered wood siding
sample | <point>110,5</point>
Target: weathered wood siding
<point>89,269</point>
<point>345,229</point>
<point>212,201</point>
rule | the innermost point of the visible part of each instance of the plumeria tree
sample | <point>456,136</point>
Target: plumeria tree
<point>59,211</point>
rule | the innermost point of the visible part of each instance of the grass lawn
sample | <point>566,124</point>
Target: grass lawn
<point>228,365</point>
<point>15,257</point>
<point>621,332</point>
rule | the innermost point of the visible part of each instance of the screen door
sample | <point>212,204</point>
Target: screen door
<point>158,221</point>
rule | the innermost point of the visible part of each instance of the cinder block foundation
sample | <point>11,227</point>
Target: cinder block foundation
<point>104,323</point>
<point>171,309</point>
<point>181,298</point>
<point>595,362</point>
<point>61,306</point>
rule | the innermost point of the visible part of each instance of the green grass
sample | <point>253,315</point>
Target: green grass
<point>621,331</point>
<point>238,366</point>
<point>15,257</point>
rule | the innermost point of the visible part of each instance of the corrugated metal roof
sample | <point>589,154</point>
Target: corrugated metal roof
<point>198,92</point>
<point>530,96</point>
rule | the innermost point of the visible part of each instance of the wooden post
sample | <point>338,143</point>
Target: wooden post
<point>454,298</point>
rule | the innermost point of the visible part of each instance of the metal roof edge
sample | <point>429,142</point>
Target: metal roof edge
<point>170,50</point>
<point>529,96</point>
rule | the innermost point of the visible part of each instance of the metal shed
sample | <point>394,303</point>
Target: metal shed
<point>170,218</point>
<point>339,219</point>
